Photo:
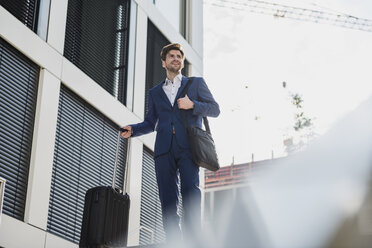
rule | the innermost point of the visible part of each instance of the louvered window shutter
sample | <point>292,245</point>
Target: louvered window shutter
<point>151,216</point>
<point>84,157</point>
<point>19,79</point>
<point>24,10</point>
<point>155,73</point>
<point>96,41</point>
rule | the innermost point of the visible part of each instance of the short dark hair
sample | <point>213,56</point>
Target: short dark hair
<point>169,47</point>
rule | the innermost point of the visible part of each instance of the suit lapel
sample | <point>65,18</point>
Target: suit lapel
<point>183,84</point>
<point>162,94</point>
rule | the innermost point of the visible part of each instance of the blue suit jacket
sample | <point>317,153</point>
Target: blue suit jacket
<point>162,116</point>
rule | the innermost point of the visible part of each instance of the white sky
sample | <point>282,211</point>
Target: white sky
<point>247,56</point>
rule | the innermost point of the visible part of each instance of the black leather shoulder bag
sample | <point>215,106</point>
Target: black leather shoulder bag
<point>201,142</point>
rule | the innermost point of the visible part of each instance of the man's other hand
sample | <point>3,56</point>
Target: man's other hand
<point>185,103</point>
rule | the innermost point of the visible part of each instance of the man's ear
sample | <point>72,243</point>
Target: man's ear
<point>163,63</point>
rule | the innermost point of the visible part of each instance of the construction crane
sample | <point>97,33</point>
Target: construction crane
<point>296,13</point>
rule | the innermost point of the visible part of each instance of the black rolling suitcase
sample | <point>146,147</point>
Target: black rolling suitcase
<point>106,214</point>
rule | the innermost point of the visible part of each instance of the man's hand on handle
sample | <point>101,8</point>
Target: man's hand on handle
<point>126,132</point>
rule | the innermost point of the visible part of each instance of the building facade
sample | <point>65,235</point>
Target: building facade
<point>71,73</point>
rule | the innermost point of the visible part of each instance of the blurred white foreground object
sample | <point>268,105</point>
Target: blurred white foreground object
<point>321,197</point>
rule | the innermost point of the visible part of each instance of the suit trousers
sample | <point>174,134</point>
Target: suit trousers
<point>178,161</point>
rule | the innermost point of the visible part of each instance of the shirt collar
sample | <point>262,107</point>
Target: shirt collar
<point>177,80</point>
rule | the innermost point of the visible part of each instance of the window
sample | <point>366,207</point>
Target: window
<point>19,79</point>
<point>155,73</point>
<point>24,10</point>
<point>97,42</point>
<point>184,18</point>
<point>84,157</point>
<point>151,216</point>
<point>32,13</point>
<point>175,11</point>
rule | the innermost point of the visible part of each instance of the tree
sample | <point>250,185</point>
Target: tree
<point>303,128</point>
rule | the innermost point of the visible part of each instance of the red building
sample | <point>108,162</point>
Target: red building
<point>236,174</point>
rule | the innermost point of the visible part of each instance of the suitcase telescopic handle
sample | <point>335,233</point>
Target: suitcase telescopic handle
<point>116,163</point>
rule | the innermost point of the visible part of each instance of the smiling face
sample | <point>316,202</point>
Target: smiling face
<point>173,62</point>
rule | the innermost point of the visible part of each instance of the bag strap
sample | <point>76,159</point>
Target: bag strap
<point>184,91</point>
<point>183,94</point>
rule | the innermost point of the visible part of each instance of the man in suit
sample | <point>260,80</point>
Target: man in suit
<point>172,154</point>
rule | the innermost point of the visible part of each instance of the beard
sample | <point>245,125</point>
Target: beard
<point>174,68</point>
